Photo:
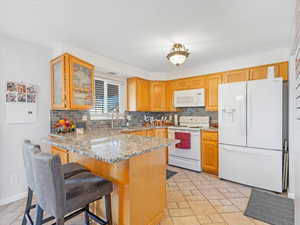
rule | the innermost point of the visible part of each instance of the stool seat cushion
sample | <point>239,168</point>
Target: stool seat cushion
<point>84,188</point>
<point>71,169</point>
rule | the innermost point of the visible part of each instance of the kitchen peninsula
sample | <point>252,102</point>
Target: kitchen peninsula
<point>135,164</point>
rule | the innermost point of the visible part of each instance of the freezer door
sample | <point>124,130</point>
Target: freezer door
<point>255,167</point>
<point>264,114</point>
<point>232,113</point>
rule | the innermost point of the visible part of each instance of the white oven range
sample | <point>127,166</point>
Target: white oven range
<point>188,158</point>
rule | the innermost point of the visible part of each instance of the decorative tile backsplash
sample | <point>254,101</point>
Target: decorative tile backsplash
<point>137,118</point>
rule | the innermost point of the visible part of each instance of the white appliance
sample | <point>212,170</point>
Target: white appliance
<point>189,98</point>
<point>188,158</point>
<point>251,133</point>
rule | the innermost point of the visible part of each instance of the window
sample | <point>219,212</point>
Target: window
<point>108,98</point>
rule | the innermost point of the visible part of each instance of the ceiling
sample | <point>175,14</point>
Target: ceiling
<point>140,33</point>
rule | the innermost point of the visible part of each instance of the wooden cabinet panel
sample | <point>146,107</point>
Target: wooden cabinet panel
<point>157,96</point>
<point>235,76</point>
<point>63,154</point>
<point>161,132</point>
<point>151,133</point>
<point>284,70</point>
<point>138,94</point>
<point>72,83</point>
<point>170,96</point>
<point>139,132</point>
<point>59,85</point>
<point>212,90</point>
<point>81,83</point>
<point>209,153</point>
<point>261,72</point>
<point>210,136</point>
<point>143,95</point>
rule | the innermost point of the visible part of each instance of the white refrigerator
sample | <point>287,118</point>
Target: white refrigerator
<point>251,134</point>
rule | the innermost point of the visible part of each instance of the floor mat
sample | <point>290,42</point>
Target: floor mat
<point>270,208</point>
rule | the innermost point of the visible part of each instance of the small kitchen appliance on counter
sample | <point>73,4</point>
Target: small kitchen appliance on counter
<point>187,154</point>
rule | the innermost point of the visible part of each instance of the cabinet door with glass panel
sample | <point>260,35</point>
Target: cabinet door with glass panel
<point>72,83</point>
<point>59,85</point>
<point>81,84</point>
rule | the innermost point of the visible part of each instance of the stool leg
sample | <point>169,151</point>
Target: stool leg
<point>28,205</point>
<point>39,215</point>
<point>60,221</point>
<point>86,216</point>
<point>108,209</point>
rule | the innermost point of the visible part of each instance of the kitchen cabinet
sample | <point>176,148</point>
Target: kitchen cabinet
<point>157,96</point>
<point>235,76</point>
<point>138,94</point>
<point>210,152</point>
<point>63,154</point>
<point>212,90</point>
<point>283,69</point>
<point>261,72</point>
<point>170,97</point>
<point>72,83</point>
<point>163,133</point>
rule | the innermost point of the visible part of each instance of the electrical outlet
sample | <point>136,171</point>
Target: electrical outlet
<point>84,118</point>
<point>128,117</point>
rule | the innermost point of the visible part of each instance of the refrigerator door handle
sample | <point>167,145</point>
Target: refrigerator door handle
<point>242,118</point>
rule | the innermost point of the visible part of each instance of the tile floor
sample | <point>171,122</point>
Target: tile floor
<point>193,199</point>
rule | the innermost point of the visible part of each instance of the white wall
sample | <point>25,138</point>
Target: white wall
<point>292,139</point>
<point>21,61</point>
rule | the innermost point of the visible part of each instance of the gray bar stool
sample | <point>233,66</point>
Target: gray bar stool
<point>69,170</point>
<point>66,198</point>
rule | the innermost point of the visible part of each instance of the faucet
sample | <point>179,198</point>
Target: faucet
<point>115,110</point>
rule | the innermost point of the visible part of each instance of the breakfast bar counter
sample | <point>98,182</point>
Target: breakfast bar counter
<point>135,164</point>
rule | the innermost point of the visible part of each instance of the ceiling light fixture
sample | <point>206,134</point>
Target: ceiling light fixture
<point>178,54</point>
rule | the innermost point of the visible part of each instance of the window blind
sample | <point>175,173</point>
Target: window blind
<point>99,97</point>
<point>107,97</point>
<point>113,97</point>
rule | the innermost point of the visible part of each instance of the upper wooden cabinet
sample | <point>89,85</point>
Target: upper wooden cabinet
<point>212,90</point>
<point>138,94</point>
<point>144,95</point>
<point>72,83</point>
<point>261,72</point>
<point>235,76</point>
<point>158,96</point>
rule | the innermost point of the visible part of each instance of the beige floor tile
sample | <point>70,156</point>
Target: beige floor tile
<point>234,195</point>
<point>187,220</point>
<point>183,205</point>
<point>166,221</point>
<point>172,205</point>
<point>225,202</point>
<point>216,218</point>
<point>236,219</point>
<point>204,219</point>
<point>195,198</point>
<point>175,196</point>
<point>241,203</point>
<point>201,208</point>
<point>181,212</point>
<point>227,209</point>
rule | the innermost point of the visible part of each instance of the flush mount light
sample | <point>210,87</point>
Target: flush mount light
<point>178,54</point>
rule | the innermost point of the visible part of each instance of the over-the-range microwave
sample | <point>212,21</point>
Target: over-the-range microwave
<point>189,98</point>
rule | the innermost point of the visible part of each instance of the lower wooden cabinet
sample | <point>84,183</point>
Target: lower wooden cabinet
<point>63,154</point>
<point>210,152</point>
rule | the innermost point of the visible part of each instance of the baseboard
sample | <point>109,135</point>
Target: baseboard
<point>13,198</point>
<point>291,195</point>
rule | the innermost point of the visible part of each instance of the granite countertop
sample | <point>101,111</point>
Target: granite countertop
<point>109,145</point>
